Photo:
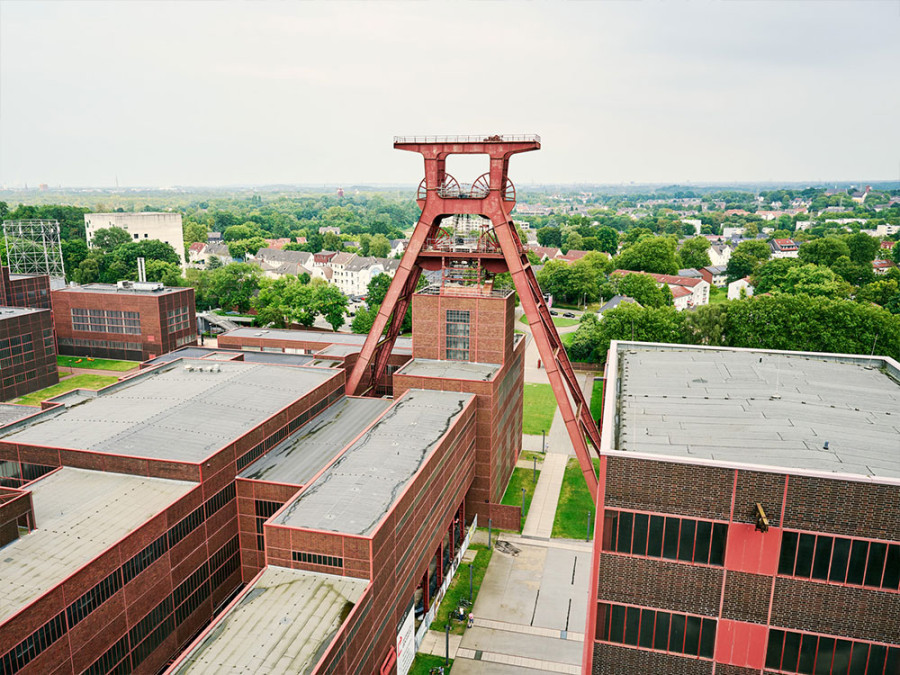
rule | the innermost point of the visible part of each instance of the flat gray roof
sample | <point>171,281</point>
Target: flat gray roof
<point>764,408</point>
<point>79,514</point>
<point>281,624</point>
<point>224,353</point>
<point>459,370</point>
<point>354,493</point>
<point>300,457</point>
<point>112,288</point>
<point>311,336</point>
<point>8,312</point>
<point>9,413</point>
<point>171,413</point>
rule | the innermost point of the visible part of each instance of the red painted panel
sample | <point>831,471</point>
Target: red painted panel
<point>749,550</point>
<point>741,644</point>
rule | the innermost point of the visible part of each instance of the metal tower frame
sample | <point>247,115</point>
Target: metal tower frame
<point>492,196</point>
<point>34,247</point>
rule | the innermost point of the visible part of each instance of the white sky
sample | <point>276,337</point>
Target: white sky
<point>217,93</point>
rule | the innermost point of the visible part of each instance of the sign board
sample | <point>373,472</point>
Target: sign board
<point>406,642</point>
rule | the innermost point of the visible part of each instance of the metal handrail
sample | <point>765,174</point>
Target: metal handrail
<point>478,138</point>
<point>467,245</point>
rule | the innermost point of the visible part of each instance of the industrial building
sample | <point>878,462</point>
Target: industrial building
<point>27,351</point>
<point>748,514</point>
<point>164,227</point>
<point>24,290</point>
<point>131,320</point>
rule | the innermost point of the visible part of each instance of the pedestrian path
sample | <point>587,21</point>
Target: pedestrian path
<point>518,661</point>
<point>539,523</point>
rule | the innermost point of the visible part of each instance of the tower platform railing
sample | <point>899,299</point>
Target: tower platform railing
<point>477,138</point>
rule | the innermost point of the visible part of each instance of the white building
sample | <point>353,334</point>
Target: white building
<point>740,288</point>
<point>719,254</point>
<point>166,227</point>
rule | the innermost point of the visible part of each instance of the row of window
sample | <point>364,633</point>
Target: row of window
<point>185,339</point>
<point>317,559</point>
<point>264,511</point>
<point>457,335</point>
<point>99,344</point>
<point>657,630</point>
<point>12,379</point>
<point>261,448</point>
<point>840,560</point>
<point>791,652</point>
<point>106,321</point>
<point>178,318</point>
<point>17,345</point>
<point>688,539</point>
<point>32,646</point>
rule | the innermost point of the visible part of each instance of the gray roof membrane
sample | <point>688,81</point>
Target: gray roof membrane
<point>300,457</point>
<point>227,354</point>
<point>9,413</point>
<point>457,370</point>
<point>763,408</point>
<point>325,337</point>
<point>357,490</point>
<point>175,414</point>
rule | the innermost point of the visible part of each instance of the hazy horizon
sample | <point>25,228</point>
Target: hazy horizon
<point>219,95</point>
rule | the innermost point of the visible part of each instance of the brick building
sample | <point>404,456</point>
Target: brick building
<point>131,320</point>
<point>27,351</point>
<point>748,514</point>
<point>24,290</point>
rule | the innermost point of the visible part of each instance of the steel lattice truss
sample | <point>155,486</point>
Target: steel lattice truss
<point>34,247</point>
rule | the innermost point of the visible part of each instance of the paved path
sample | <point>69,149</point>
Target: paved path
<point>539,522</point>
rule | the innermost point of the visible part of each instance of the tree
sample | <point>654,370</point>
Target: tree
<point>824,251</point>
<point>625,322</point>
<point>168,274</point>
<point>88,271</point>
<point>549,236</point>
<point>880,292</point>
<point>74,252</point>
<point>555,278</point>
<point>695,252</point>
<point>380,246</point>
<point>234,285</point>
<point>213,262</point>
<point>810,280</point>
<point>740,265</point>
<point>364,241</point>
<point>858,274</point>
<point>863,248</point>
<point>330,303</point>
<point>573,241</point>
<point>237,232</point>
<point>377,289</point>
<point>195,232</point>
<point>758,249</point>
<point>649,254</point>
<point>644,289</point>
<point>332,242</point>
<point>768,276</point>
<point>109,238</point>
<point>362,322</point>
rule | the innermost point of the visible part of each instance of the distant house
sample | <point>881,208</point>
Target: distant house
<point>784,248</point>
<point>398,246</point>
<point>545,253</point>
<point>197,253</point>
<point>219,251</point>
<point>329,230</point>
<point>714,275</point>
<point>697,289</point>
<point>276,256</point>
<point>614,302</point>
<point>278,243</point>
<point>572,255</point>
<point>739,288</point>
<point>681,297</point>
<point>885,249</point>
<point>214,237</point>
<point>882,266</point>
<point>860,196</point>
<point>690,273</point>
<point>733,231</point>
<point>323,258</point>
<point>719,254</point>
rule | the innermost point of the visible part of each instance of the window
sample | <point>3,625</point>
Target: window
<point>698,541</point>
<point>178,319</point>
<point>317,559</point>
<point>656,629</point>
<point>457,335</point>
<point>106,321</point>
<point>264,511</point>
<point>791,652</point>
<point>840,560</point>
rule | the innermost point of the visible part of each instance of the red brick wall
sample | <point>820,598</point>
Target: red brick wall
<point>614,660</point>
<point>38,366</point>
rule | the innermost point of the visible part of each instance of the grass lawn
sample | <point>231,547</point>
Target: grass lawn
<point>527,455</point>
<point>521,478</point>
<point>538,407</point>
<point>98,364</point>
<point>558,321</point>
<point>423,664</point>
<point>717,295</point>
<point>459,589</point>
<point>574,504</point>
<point>567,339</point>
<point>74,382</point>
<point>597,400</point>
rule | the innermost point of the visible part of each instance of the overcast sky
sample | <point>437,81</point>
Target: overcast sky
<point>221,93</point>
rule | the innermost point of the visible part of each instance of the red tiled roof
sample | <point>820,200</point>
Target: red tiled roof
<point>197,246</point>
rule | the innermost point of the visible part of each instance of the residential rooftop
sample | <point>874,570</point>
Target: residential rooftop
<point>172,413</point>
<point>325,337</point>
<point>300,457</point>
<point>79,514</point>
<point>455,370</point>
<point>787,410</point>
<point>281,624</point>
<point>354,493</point>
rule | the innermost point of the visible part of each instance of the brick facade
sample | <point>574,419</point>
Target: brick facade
<point>27,352</point>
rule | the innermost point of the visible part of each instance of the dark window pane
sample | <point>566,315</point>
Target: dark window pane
<point>676,636</point>
<point>670,543</point>
<point>822,559</point>
<point>774,649</point>
<point>893,661</point>
<point>717,550</point>
<point>701,547</point>
<point>611,531</point>
<point>686,540</point>
<point>839,558</point>
<point>708,638</point>
<point>788,553</point>
<point>824,656</point>
<point>617,624</point>
<point>661,639</point>
<point>857,567</point>
<point>639,542</point>
<point>877,654</point>
<point>805,555</point>
<point>603,621</point>
<point>875,568</point>
<point>892,570</point>
<point>841,657</point>
<point>692,635</point>
<point>859,658</point>
<point>791,652</point>
<point>625,524</point>
<point>632,621</point>
<point>655,538</point>
<point>807,654</point>
<point>647,617</point>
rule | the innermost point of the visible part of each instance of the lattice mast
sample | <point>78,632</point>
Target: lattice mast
<point>34,247</point>
<point>495,250</point>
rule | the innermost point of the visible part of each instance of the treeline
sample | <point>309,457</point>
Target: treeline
<point>797,322</point>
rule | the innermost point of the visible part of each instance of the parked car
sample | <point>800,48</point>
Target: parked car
<point>553,312</point>
<point>569,315</point>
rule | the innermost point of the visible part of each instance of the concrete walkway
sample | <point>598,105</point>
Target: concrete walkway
<point>539,522</point>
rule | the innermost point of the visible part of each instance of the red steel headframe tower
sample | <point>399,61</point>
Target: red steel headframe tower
<point>492,196</point>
